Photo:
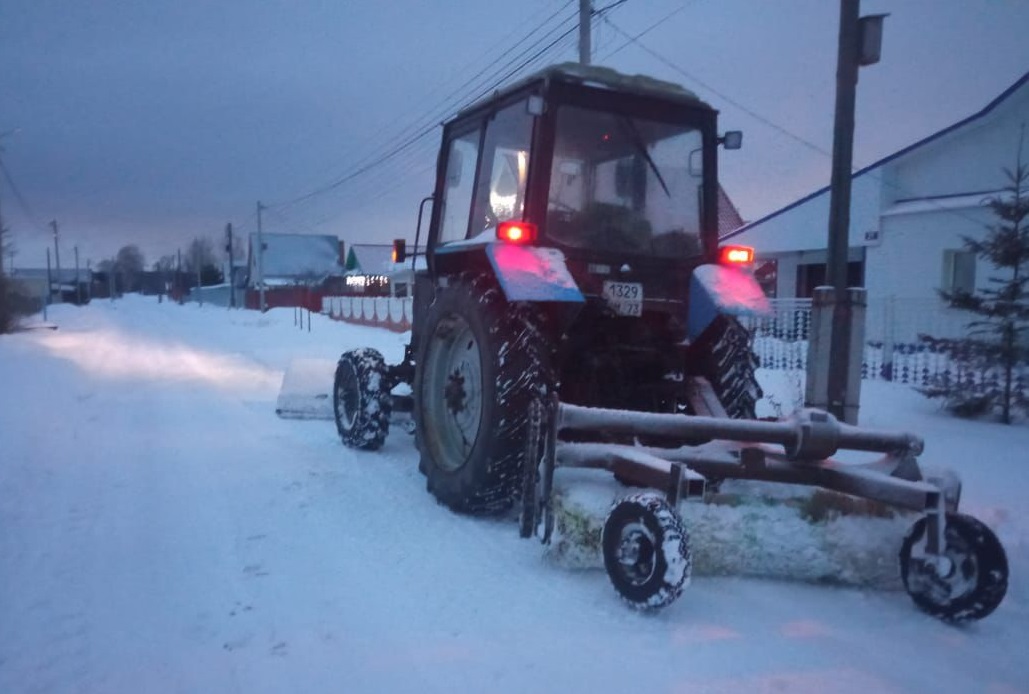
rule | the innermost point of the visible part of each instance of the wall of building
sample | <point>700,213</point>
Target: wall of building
<point>908,262</point>
<point>806,226</point>
<point>969,160</point>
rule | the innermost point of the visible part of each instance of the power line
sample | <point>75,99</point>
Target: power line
<point>721,95</point>
<point>646,31</point>
<point>773,125</point>
<point>423,126</point>
<point>414,125</point>
<point>22,202</point>
<point>407,173</point>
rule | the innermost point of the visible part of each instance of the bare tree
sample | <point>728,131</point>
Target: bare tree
<point>166,263</point>
<point>200,256</point>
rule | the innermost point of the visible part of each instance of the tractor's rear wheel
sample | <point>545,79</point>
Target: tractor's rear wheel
<point>480,363</point>
<point>729,364</point>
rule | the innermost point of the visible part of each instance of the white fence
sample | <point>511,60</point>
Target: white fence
<point>893,350</point>
<point>382,311</point>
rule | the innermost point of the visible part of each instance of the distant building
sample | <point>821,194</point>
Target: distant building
<point>68,286</point>
<point>297,268</point>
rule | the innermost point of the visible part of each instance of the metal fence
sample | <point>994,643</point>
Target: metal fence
<point>893,350</point>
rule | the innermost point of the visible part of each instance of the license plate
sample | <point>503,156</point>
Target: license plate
<point>626,298</point>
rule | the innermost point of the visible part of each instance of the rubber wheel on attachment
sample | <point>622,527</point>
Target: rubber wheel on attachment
<point>361,400</point>
<point>975,581</point>
<point>646,551</point>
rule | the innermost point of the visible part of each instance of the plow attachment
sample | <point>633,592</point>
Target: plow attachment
<point>306,391</point>
<point>952,565</point>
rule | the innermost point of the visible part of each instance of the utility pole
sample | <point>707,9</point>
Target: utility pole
<point>260,258</point>
<point>231,277</point>
<point>49,284</point>
<point>585,20</point>
<point>57,250</point>
<point>838,312</point>
<point>196,261</point>
<point>78,284</point>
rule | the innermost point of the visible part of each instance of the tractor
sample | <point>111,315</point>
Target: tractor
<point>572,307</point>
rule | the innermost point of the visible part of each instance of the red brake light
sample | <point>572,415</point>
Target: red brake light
<point>516,232</point>
<point>736,255</point>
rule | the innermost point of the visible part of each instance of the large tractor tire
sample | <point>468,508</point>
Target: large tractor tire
<point>729,363</point>
<point>481,361</point>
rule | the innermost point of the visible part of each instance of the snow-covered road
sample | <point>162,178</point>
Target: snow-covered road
<point>161,530</point>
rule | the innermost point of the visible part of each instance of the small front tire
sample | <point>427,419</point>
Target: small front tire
<point>361,400</point>
<point>974,580</point>
<point>646,551</point>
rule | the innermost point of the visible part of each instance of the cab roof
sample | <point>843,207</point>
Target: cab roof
<point>600,78</point>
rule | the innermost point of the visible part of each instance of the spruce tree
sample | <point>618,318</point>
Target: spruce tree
<point>995,352</point>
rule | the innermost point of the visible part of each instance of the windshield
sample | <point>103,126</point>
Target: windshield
<point>620,183</point>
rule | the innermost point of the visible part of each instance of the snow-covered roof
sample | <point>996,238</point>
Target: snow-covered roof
<point>728,216</point>
<point>66,274</point>
<point>989,108</point>
<point>940,203</point>
<point>370,259</point>
<point>305,256</point>
<point>597,76</point>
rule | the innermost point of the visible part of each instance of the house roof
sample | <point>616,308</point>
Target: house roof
<point>728,216</point>
<point>299,255</point>
<point>66,274</point>
<point>990,107</point>
<point>370,258</point>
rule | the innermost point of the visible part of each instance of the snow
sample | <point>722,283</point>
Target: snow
<point>162,530</point>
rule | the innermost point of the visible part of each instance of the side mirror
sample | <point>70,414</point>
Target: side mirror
<point>732,139</point>
<point>399,250</point>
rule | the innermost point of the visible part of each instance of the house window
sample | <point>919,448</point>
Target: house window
<point>958,272</point>
<point>811,275</point>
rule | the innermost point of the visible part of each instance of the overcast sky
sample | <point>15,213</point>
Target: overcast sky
<point>155,121</point>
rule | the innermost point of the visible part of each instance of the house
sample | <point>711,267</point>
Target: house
<point>295,269</point>
<point>67,286</point>
<point>909,214</point>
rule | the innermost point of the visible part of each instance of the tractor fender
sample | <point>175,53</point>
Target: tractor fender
<point>532,273</point>
<point>723,290</point>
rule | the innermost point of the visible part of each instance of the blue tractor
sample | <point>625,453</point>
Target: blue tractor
<point>572,307</point>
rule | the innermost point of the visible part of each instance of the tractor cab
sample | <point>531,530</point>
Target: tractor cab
<point>617,172</point>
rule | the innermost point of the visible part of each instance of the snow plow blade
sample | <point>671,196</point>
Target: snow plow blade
<point>306,391</point>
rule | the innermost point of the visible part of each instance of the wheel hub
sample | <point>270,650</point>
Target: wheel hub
<point>454,393</point>
<point>636,553</point>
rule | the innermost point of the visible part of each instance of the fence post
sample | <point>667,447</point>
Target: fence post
<point>889,336</point>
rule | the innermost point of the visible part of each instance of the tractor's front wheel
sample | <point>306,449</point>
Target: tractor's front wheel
<point>361,401</point>
<point>481,362</point>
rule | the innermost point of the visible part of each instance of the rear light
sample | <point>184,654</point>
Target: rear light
<point>516,232</point>
<point>399,250</point>
<point>736,255</point>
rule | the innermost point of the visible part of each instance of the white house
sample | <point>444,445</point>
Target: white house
<point>908,213</point>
